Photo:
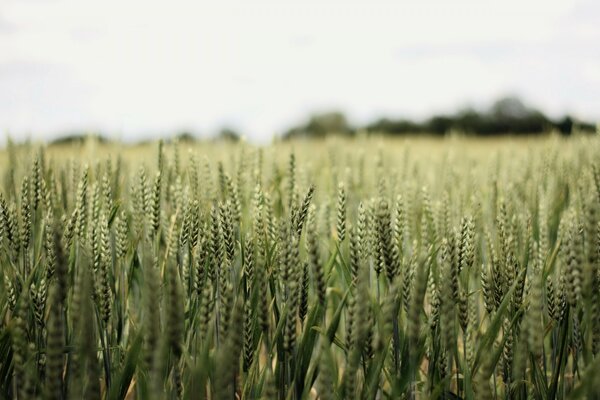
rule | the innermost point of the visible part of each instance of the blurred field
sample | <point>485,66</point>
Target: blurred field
<point>430,148</point>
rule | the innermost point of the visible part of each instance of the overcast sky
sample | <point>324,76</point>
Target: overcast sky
<point>139,68</point>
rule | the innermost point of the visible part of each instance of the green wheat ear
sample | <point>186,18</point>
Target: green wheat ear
<point>314,256</point>
<point>19,342</point>
<point>341,213</point>
<point>227,362</point>
<point>53,382</point>
<point>326,380</point>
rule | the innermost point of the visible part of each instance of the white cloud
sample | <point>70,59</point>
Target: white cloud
<point>135,66</point>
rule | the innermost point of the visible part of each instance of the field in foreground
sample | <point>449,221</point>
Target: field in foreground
<point>368,268</point>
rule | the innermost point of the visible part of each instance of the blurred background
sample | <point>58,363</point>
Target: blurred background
<point>137,70</point>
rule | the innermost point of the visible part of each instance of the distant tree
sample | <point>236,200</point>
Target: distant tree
<point>322,124</point>
<point>229,134</point>
<point>185,136</point>
<point>399,126</point>
<point>78,138</point>
<point>331,122</point>
<point>440,124</point>
<point>508,115</point>
<point>469,121</point>
<point>565,125</point>
<point>509,107</point>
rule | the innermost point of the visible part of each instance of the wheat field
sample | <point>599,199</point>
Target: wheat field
<point>364,268</point>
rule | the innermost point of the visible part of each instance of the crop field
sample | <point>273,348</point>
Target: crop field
<point>364,268</point>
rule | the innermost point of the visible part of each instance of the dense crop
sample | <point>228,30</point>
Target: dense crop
<point>332,270</point>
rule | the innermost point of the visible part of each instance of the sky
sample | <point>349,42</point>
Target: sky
<point>141,68</point>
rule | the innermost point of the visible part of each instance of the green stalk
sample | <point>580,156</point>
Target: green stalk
<point>105,349</point>
<point>561,359</point>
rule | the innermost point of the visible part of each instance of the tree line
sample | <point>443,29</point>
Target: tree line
<point>507,115</point>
